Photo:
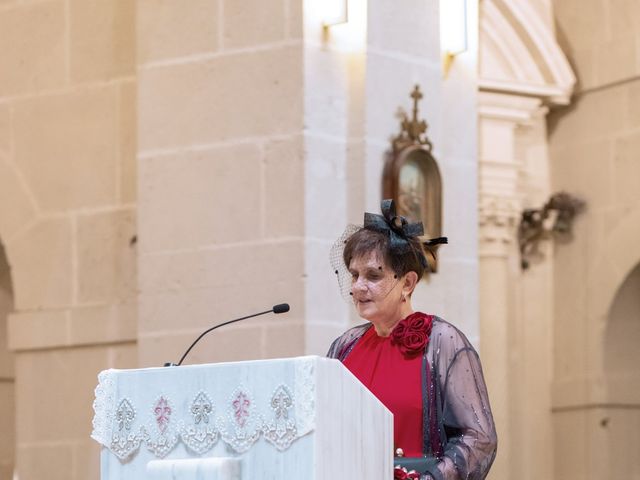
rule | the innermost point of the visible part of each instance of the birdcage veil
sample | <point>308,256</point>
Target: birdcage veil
<point>336,259</point>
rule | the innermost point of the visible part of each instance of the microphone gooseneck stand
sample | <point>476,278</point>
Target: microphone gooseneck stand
<point>280,308</point>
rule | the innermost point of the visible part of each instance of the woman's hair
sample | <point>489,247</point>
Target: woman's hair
<point>365,241</point>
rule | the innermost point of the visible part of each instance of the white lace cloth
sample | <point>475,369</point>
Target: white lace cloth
<point>236,403</point>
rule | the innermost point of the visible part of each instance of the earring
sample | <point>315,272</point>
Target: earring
<point>404,298</point>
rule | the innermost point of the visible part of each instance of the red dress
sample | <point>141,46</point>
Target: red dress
<point>395,379</point>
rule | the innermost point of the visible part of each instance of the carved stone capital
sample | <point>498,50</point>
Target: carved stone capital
<point>498,220</point>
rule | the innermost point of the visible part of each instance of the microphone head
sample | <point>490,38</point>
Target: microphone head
<point>281,308</point>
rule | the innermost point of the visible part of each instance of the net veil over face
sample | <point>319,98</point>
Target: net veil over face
<point>376,290</point>
<point>337,262</point>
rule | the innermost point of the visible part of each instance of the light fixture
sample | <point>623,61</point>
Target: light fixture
<point>334,12</point>
<point>453,30</point>
<point>553,220</point>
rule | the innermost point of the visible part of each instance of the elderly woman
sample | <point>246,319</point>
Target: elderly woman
<point>419,366</point>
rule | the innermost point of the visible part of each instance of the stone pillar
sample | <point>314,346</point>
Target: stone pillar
<point>220,156</point>
<point>515,307</point>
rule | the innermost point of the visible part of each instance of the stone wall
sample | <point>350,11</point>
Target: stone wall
<point>67,217</point>
<point>595,147</point>
<point>220,159</point>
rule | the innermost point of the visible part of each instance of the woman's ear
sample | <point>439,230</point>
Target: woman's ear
<point>410,281</point>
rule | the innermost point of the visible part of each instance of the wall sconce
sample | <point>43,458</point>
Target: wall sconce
<point>453,30</point>
<point>553,220</point>
<point>334,12</point>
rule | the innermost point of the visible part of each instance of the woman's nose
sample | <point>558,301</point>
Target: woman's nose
<point>359,285</point>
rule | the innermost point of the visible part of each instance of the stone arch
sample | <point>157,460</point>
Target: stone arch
<point>519,53</point>
<point>610,283</point>
<point>18,211</point>
<point>620,413</point>
<point>622,336</point>
<point>614,266</point>
<point>7,372</point>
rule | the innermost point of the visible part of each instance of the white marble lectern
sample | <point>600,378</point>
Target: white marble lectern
<point>305,417</point>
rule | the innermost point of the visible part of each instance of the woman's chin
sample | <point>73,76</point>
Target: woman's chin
<point>366,310</point>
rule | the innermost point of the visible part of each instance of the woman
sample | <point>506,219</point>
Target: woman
<point>421,367</point>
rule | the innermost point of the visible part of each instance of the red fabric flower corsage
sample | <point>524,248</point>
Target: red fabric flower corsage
<point>401,473</point>
<point>412,334</point>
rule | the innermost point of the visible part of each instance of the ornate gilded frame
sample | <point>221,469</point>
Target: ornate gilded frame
<point>411,176</point>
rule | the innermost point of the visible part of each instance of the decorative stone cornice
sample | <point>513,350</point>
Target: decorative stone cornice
<point>518,109</point>
<point>526,59</point>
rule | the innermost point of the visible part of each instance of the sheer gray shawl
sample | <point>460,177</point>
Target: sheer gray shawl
<point>457,421</point>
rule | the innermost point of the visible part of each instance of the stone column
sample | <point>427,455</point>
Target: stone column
<point>220,156</point>
<point>507,184</point>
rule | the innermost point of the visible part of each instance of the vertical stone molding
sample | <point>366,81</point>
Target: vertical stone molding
<point>505,187</point>
<point>510,179</point>
<point>499,207</point>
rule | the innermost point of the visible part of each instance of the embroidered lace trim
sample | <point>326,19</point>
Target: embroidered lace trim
<point>280,418</point>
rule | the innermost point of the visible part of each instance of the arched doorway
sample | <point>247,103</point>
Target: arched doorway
<point>7,406</point>
<point>621,415</point>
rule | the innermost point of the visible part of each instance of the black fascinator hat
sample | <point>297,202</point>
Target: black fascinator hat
<point>391,235</point>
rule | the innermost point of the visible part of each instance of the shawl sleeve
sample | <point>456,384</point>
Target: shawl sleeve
<point>466,418</point>
<point>342,345</point>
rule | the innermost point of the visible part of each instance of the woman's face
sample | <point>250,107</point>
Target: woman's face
<point>376,290</point>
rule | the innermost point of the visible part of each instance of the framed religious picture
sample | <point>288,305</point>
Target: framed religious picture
<point>412,178</point>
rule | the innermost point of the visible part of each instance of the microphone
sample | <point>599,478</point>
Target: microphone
<point>280,308</point>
